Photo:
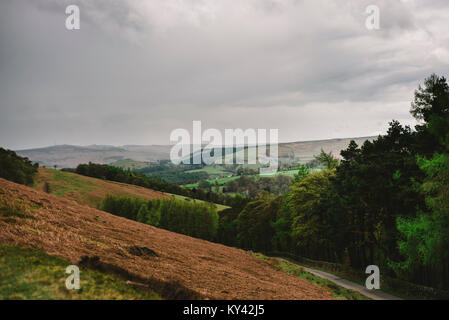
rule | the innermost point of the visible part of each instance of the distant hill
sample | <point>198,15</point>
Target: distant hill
<point>130,164</point>
<point>69,156</point>
<point>304,151</point>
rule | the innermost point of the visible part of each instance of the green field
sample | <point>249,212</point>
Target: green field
<point>213,170</point>
<point>222,181</point>
<point>289,173</point>
<point>86,190</point>
<point>219,207</point>
<point>66,182</point>
<point>31,274</point>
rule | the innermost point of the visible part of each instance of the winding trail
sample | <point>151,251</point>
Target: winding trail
<point>372,294</point>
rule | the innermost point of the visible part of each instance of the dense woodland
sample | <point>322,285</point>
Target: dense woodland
<point>171,173</point>
<point>251,186</point>
<point>385,203</point>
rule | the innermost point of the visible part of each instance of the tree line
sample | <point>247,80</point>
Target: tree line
<point>252,185</point>
<point>15,168</point>
<point>192,218</point>
<point>111,173</point>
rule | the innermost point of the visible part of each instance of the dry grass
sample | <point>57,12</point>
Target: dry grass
<point>70,231</point>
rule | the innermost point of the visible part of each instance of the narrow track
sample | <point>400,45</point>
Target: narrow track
<point>372,294</point>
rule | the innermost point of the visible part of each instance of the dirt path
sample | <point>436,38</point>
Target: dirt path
<point>372,294</point>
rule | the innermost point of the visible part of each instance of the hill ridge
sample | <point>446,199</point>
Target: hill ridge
<point>70,156</point>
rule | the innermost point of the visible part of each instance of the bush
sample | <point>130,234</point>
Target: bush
<point>16,168</point>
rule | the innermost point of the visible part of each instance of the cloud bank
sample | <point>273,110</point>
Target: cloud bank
<point>136,70</point>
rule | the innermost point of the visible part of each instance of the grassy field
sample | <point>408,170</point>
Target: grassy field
<point>86,190</point>
<point>91,191</point>
<point>292,269</point>
<point>213,170</point>
<point>289,173</point>
<point>31,274</point>
<point>220,181</point>
<point>219,207</point>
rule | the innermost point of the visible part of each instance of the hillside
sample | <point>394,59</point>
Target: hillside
<point>91,191</point>
<point>68,156</point>
<point>301,151</point>
<point>189,267</point>
<point>86,190</point>
<point>306,150</point>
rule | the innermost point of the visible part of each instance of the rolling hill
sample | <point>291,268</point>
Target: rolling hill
<point>86,190</point>
<point>173,265</point>
<point>70,156</point>
<point>91,191</point>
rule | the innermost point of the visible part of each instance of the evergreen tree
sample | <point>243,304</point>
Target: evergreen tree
<point>143,214</point>
<point>327,160</point>
<point>303,171</point>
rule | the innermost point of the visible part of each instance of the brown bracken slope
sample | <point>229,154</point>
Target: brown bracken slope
<point>69,230</point>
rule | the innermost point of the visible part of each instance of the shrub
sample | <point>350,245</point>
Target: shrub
<point>16,168</point>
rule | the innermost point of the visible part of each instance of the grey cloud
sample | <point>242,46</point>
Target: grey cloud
<point>138,69</point>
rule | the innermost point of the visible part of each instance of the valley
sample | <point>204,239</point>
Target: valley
<point>192,267</point>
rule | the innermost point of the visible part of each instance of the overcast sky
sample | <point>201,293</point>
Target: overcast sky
<point>138,69</point>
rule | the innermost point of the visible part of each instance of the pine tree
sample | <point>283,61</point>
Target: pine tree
<point>143,213</point>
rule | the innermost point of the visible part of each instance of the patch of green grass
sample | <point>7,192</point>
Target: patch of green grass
<point>219,207</point>
<point>220,181</point>
<point>212,170</point>
<point>27,273</point>
<point>295,270</point>
<point>68,182</point>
